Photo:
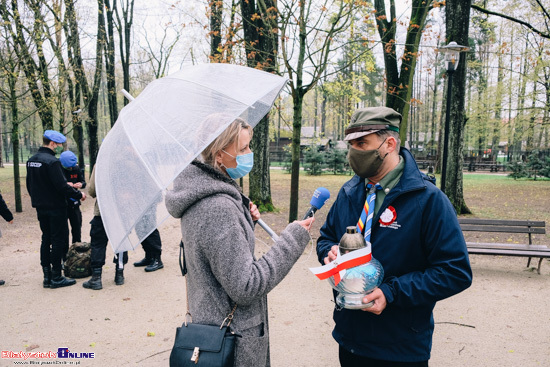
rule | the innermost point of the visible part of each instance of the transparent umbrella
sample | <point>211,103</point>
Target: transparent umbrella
<point>159,133</point>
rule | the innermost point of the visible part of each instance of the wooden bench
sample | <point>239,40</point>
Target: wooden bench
<point>506,249</point>
<point>490,166</point>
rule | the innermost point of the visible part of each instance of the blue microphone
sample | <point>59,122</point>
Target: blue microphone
<point>319,198</point>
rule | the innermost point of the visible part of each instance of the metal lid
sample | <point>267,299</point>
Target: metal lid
<point>351,240</point>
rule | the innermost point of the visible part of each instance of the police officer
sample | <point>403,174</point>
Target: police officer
<point>75,178</point>
<point>49,191</point>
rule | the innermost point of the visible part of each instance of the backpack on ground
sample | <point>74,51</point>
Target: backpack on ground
<point>78,260</point>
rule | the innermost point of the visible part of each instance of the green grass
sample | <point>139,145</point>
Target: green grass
<point>487,195</point>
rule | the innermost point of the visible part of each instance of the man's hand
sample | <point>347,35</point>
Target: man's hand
<point>70,184</point>
<point>83,196</point>
<point>77,185</point>
<point>331,254</point>
<point>11,221</point>
<point>254,212</point>
<point>379,301</point>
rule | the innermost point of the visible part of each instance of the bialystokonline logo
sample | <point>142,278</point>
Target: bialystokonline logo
<point>62,353</point>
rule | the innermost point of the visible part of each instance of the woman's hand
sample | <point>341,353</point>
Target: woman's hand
<point>254,212</point>
<point>306,223</point>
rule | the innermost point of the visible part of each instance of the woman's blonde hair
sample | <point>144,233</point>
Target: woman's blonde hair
<point>228,137</point>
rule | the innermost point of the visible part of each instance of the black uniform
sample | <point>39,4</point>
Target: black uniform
<point>74,175</point>
<point>5,211</point>
<point>49,191</point>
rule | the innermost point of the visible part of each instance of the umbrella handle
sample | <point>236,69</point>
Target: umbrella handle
<point>269,231</point>
<point>127,95</point>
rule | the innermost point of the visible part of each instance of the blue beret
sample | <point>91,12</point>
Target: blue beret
<point>68,159</point>
<point>55,136</point>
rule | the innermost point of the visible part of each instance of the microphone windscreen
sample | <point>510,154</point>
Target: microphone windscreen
<point>319,198</point>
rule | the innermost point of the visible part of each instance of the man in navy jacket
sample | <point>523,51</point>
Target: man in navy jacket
<point>416,237</point>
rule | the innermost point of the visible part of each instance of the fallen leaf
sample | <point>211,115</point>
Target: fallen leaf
<point>126,299</point>
<point>33,346</point>
<point>92,344</point>
<point>150,333</point>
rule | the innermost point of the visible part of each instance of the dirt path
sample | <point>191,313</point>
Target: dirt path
<point>502,320</point>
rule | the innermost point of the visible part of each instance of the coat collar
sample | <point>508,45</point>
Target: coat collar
<point>216,174</point>
<point>46,150</point>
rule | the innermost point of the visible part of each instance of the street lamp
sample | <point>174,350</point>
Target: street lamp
<point>452,57</point>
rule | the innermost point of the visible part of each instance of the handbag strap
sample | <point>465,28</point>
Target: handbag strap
<point>183,267</point>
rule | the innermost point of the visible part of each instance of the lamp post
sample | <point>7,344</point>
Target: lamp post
<point>452,57</point>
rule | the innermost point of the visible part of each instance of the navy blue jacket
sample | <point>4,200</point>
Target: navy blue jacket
<point>46,183</point>
<point>74,175</point>
<point>425,260</point>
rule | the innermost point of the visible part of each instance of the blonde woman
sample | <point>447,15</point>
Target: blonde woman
<point>217,223</point>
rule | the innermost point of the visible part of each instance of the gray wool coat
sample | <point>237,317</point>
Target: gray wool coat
<point>218,235</point>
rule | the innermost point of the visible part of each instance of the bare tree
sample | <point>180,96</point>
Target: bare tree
<point>89,94</point>
<point>261,39</point>
<point>457,26</point>
<point>308,38</point>
<point>124,28</point>
<point>399,78</point>
<point>9,70</point>
<point>545,15</point>
<point>36,74</point>
<point>159,55</point>
<point>110,63</point>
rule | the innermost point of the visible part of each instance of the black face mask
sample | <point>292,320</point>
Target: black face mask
<point>366,163</point>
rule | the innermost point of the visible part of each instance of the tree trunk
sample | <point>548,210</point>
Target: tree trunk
<point>323,112</point>
<point>216,12</point>
<point>261,48</point>
<point>124,28</point>
<point>298,100</point>
<point>15,143</point>
<point>399,83</point>
<point>110,64</point>
<point>2,121</point>
<point>90,96</point>
<point>498,105</point>
<point>92,123</point>
<point>434,113</point>
<point>36,76</point>
<point>457,25</point>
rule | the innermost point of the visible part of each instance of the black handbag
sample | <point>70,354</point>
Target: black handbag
<point>203,345</point>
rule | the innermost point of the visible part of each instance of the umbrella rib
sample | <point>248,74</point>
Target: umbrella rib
<point>138,153</point>
<point>223,93</point>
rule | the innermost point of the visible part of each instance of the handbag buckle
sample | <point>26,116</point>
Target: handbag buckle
<point>195,356</point>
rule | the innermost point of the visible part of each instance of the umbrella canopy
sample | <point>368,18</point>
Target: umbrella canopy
<point>159,133</point>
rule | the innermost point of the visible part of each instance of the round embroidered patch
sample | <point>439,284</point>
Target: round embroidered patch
<point>389,216</point>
